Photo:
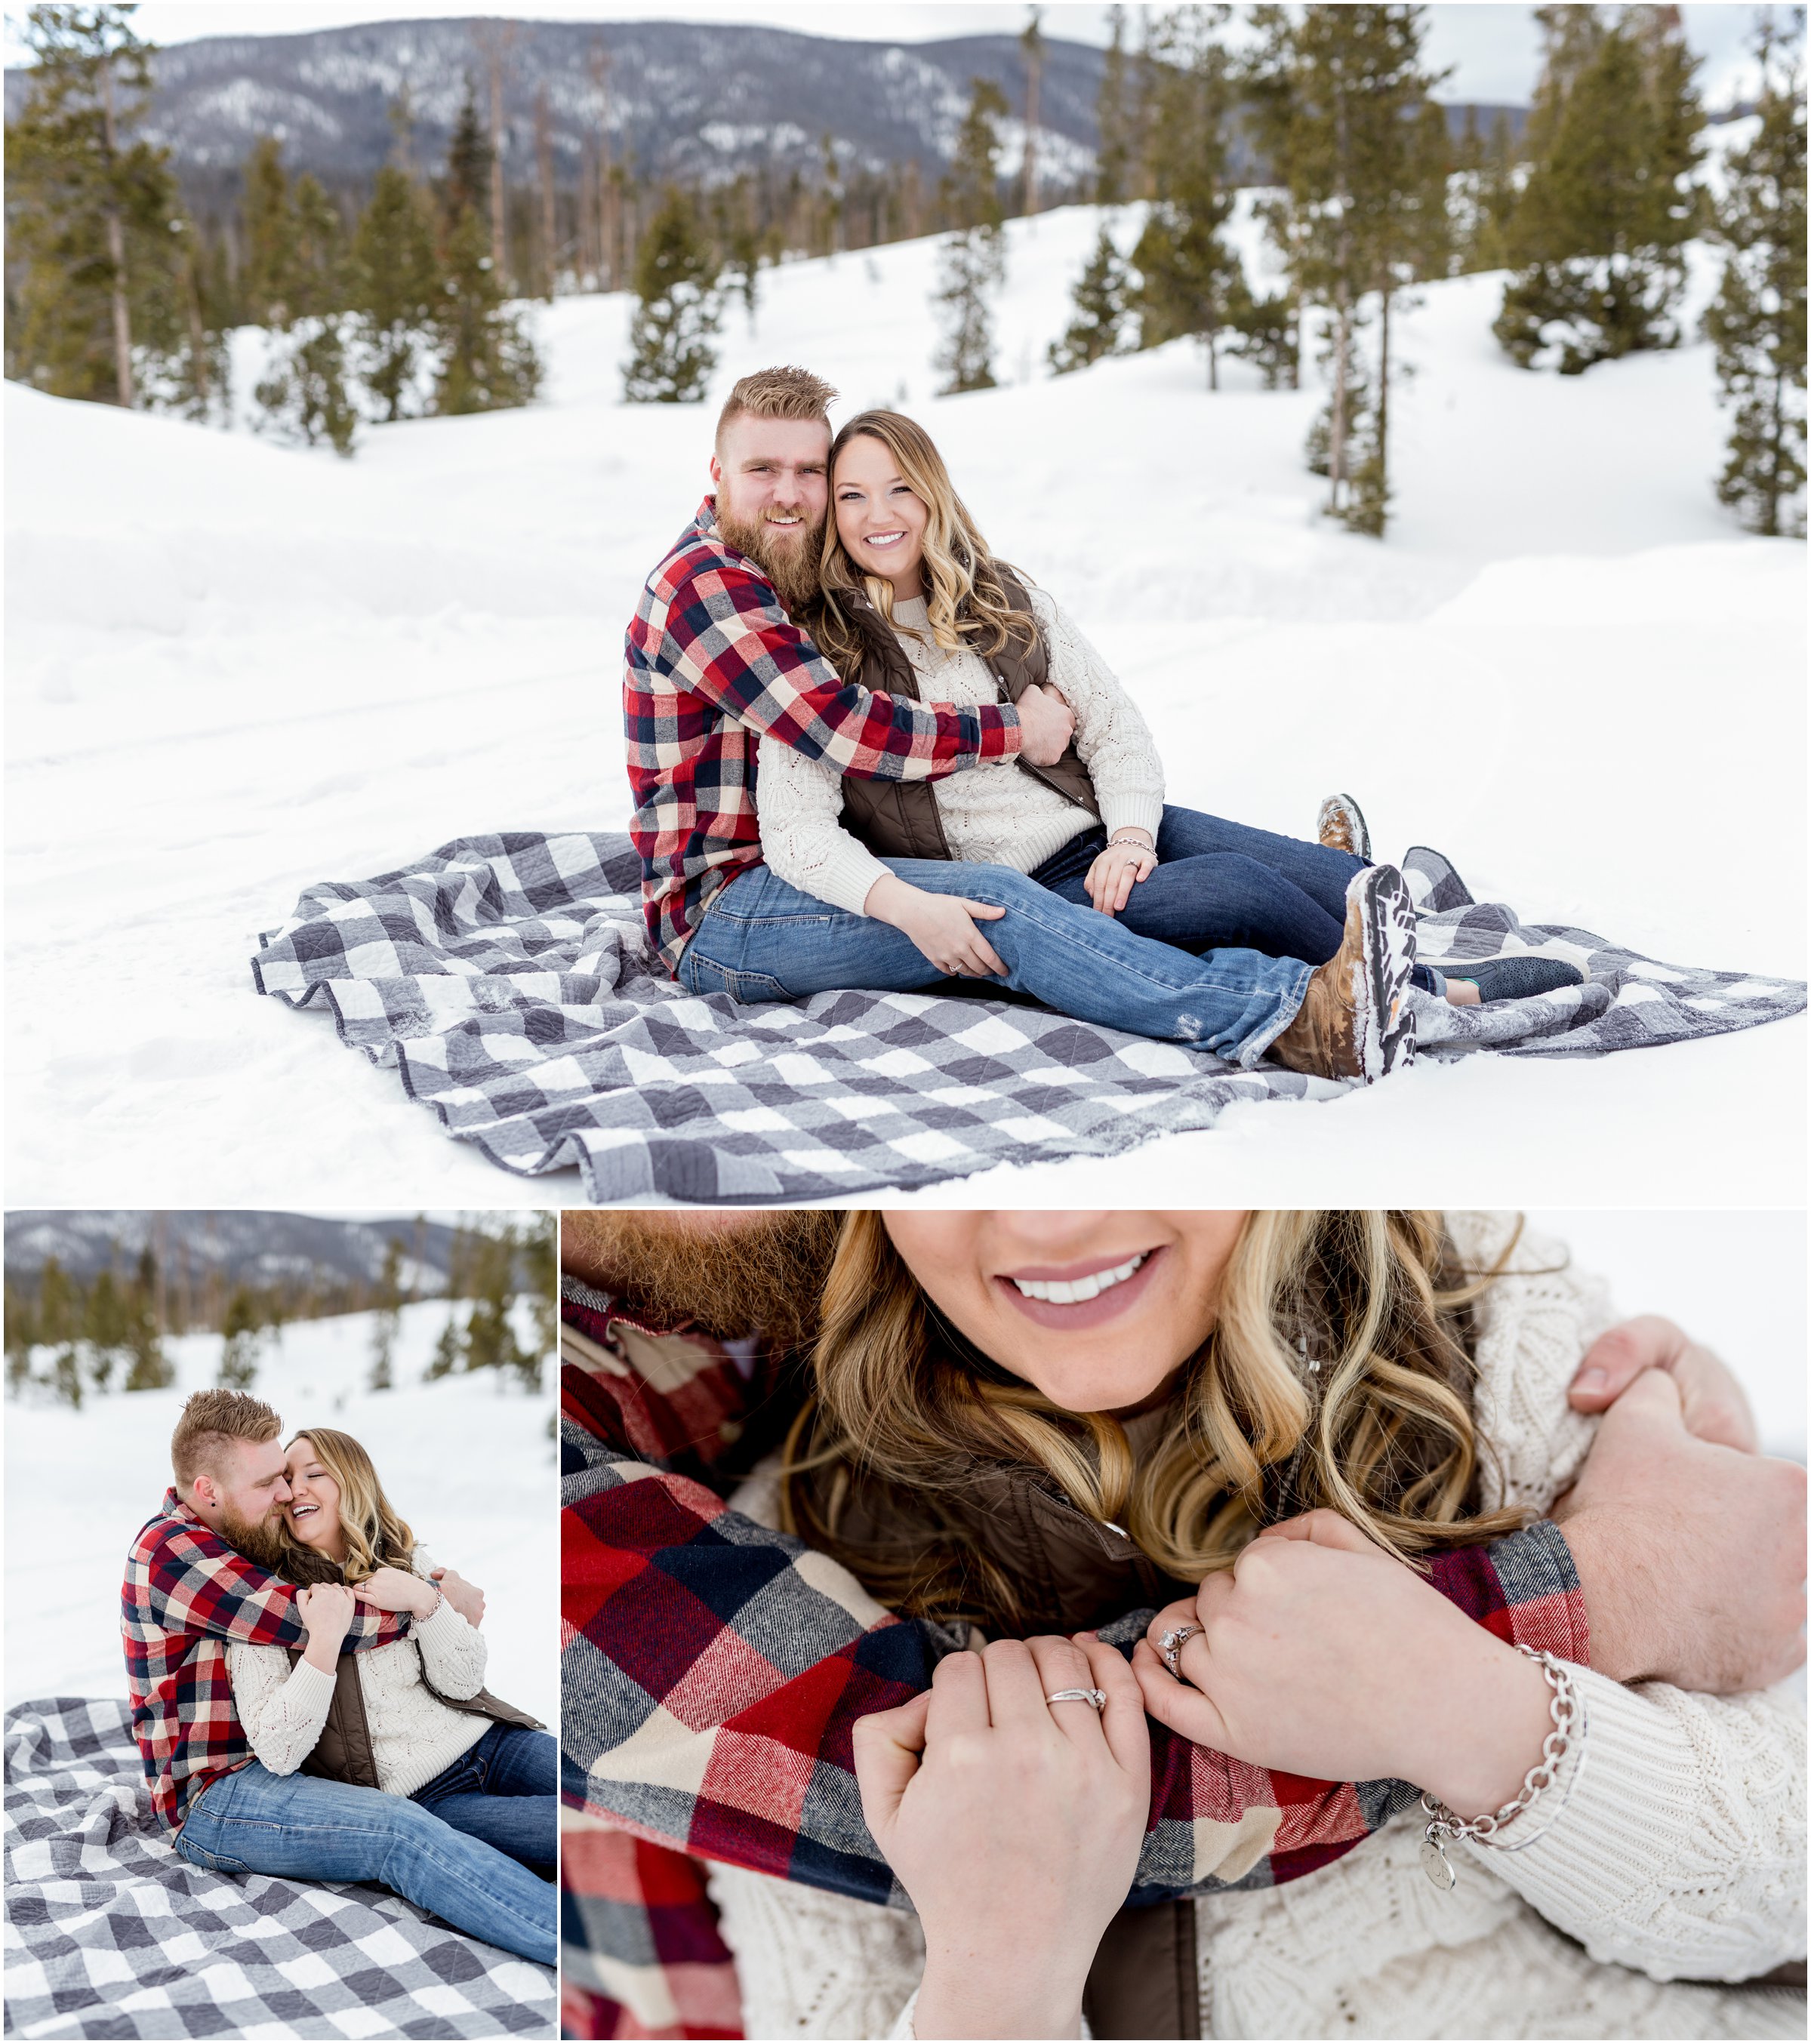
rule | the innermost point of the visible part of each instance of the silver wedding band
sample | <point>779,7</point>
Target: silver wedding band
<point>1169,1647</point>
<point>1097,1697</point>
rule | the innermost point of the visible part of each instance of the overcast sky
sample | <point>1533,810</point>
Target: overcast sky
<point>1495,49</point>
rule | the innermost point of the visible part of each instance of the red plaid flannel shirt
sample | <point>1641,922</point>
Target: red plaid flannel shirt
<point>186,1595</point>
<point>712,661</point>
<point>641,1955</point>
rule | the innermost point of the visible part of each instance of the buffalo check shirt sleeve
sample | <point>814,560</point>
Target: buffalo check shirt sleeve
<point>187,1595</point>
<point>713,1668</point>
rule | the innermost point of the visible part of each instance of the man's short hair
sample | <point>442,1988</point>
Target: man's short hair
<point>777,394</point>
<point>210,1420</point>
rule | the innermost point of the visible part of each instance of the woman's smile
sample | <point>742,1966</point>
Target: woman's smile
<point>313,1512</point>
<point>1098,1310</point>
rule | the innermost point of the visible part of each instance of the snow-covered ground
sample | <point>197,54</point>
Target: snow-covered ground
<point>236,669</point>
<point>468,1462</point>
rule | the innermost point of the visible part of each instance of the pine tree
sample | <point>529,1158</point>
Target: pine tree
<point>1342,110</point>
<point>449,1350</point>
<point>679,311</point>
<point>1113,159</point>
<point>393,287</point>
<point>1597,235</point>
<point>972,262</point>
<point>388,1318</point>
<point>239,1345</point>
<point>293,286</point>
<point>487,362</point>
<point>1191,281</point>
<point>1757,320</point>
<point>97,242</point>
<point>150,1369</point>
<point>1098,326</point>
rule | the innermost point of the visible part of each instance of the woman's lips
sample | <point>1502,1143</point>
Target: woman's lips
<point>1082,1313</point>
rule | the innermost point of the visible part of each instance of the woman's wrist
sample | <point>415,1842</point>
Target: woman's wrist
<point>322,1653</point>
<point>1484,1729</point>
<point>972,1993</point>
<point>887,897</point>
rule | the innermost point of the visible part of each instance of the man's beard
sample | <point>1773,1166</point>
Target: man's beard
<point>790,564</point>
<point>259,1540</point>
<point>757,1273</point>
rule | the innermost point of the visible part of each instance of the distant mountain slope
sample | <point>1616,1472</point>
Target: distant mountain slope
<point>684,100</point>
<point>256,1248</point>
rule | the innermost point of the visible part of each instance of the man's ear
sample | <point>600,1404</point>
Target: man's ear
<point>716,471</point>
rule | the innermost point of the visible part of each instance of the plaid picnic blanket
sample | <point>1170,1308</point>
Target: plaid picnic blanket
<point>507,979</point>
<point>711,1670</point>
<point>110,1935</point>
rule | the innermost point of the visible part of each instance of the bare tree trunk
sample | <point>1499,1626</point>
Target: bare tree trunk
<point>494,39</point>
<point>1337,426</point>
<point>1034,68</point>
<point>116,249</point>
<point>197,328</point>
<point>1383,393</point>
<point>600,66</point>
<point>543,172</point>
<point>1214,358</point>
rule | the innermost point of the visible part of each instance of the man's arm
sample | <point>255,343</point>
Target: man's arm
<point>194,1582</point>
<point>691,1727</point>
<point>730,643</point>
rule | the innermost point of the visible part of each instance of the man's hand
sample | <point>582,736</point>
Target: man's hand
<point>1715,1407</point>
<point>1691,1554</point>
<point>1046,725</point>
<point>466,1598</point>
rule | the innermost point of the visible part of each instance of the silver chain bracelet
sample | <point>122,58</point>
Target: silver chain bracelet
<point>1137,844</point>
<point>1442,1823</point>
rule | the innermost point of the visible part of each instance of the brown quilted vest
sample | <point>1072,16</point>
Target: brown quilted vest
<point>1073,1572</point>
<point>344,1753</point>
<point>899,818</point>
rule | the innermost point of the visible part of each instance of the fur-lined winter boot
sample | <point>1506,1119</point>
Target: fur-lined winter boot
<point>1354,1022</point>
<point>1341,826</point>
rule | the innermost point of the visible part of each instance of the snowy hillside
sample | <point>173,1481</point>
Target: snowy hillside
<point>234,669</point>
<point>468,1462</point>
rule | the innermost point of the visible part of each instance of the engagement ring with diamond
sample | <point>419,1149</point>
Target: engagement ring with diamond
<point>1169,1647</point>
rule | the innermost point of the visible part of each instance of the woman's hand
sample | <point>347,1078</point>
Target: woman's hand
<point>1320,1654</point>
<point>326,1609</point>
<point>396,1589</point>
<point>1117,870</point>
<point>1014,1825</point>
<point>466,1598</point>
<point>941,925</point>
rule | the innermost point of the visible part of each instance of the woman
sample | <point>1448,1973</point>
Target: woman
<point>413,1718</point>
<point>913,603</point>
<point>1026,1420</point>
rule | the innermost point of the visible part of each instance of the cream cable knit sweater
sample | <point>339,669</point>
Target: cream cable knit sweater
<point>1672,1848</point>
<point>414,1735</point>
<point>996,815</point>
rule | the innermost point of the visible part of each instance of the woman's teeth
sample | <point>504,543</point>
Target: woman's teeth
<point>303,1510</point>
<point>885,539</point>
<point>1076,1289</point>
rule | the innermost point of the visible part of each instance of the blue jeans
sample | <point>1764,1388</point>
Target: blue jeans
<point>504,1790</point>
<point>1221,883</point>
<point>761,939</point>
<point>252,1821</point>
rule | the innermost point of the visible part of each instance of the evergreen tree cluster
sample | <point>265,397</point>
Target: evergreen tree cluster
<point>98,1334</point>
<point>494,1268</point>
<point>388,310</point>
<point>972,261</point>
<point>1756,322</point>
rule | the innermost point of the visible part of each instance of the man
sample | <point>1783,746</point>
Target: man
<point>196,1579</point>
<point>714,661</point>
<point>1682,1538</point>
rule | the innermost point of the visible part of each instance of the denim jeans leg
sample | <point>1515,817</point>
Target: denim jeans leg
<point>298,1826</point>
<point>1322,873</point>
<point>505,1791</point>
<point>763,940</point>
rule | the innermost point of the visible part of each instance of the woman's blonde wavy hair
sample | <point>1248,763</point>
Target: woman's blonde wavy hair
<point>376,1536</point>
<point>1382,1431</point>
<point>967,600</point>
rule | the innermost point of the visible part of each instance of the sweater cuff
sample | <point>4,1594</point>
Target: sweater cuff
<point>1144,813</point>
<point>1628,1794</point>
<point>844,878</point>
<point>311,1688</point>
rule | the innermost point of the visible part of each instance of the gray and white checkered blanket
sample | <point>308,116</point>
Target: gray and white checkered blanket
<point>508,980</point>
<point>109,1934</point>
